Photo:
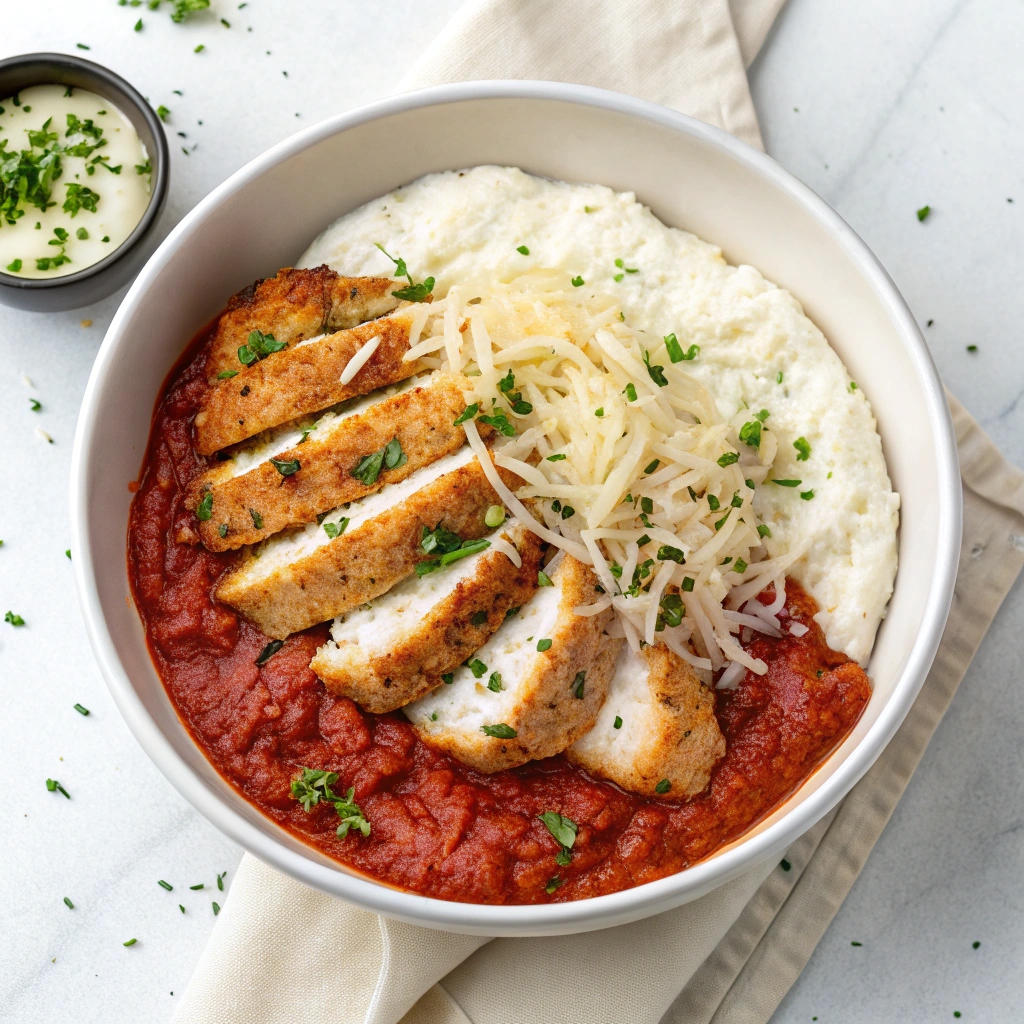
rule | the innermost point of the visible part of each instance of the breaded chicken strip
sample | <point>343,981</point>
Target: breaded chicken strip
<point>534,688</point>
<point>388,653</point>
<point>667,739</point>
<point>293,305</point>
<point>298,579</point>
<point>303,378</point>
<point>250,498</point>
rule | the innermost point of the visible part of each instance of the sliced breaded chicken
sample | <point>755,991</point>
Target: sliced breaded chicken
<point>667,739</point>
<point>521,697</point>
<point>304,378</point>
<point>310,575</point>
<point>394,650</point>
<point>249,498</point>
<point>296,304</point>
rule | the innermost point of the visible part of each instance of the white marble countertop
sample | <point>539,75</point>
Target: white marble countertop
<point>881,108</point>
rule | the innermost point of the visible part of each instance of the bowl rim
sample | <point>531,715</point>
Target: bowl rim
<point>641,900</point>
<point>109,80</point>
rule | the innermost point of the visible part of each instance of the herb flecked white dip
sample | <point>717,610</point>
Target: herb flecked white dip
<point>74,180</point>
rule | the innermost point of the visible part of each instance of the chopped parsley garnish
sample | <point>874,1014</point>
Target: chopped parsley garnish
<point>675,350</point>
<point>257,519</point>
<point>750,433</point>
<point>544,645</point>
<point>728,459</point>
<point>557,458</point>
<point>286,467</point>
<point>617,724</point>
<point>268,652</point>
<point>467,414</point>
<point>515,398</point>
<point>53,786</point>
<point>201,885</point>
<point>553,884</point>
<point>564,831</point>
<point>369,467</point>
<point>647,505</point>
<point>79,197</point>
<point>543,579</point>
<point>524,250</point>
<point>568,511</point>
<point>414,292</point>
<point>501,731</point>
<point>146,168</point>
<point>972,348</point>
<point>807,495</point>
<point>477,667</point>
<point>667,553</point>
<point>220,880</point>
<point>778,377</point>
<point>853,385</point>
<point>68,903</point>
<point>448,678</point>
<point>444,547</point>
<point>670,612</point>
<point>494,516</point>
<point>787,483</point>
<point>165,885</point>
<point>764,530</point>
<point>216,908</point>
<point>334,530</point>
<point>803,449</point>
<point>923,212</point>
<point>578,684</point>
<point>500,422</point>
<point>721,522</point>
<point>652,466</point>
<point>631,391</point>
<point>657,373</point>
<point>663,787</point>
<point>204,510</point>
<point>740,565</point>
<point>599,412</point>
<point>163,113</point>
<point>183,8</point>
<point>81,710</point>
<point>713,503</point>
<point>494,683</point>
<point>14,266</point>
<point>578,282</point>
<point>687,584</point>
<point>315,785</point>
<point>223,529</point>
<point>259,346</point>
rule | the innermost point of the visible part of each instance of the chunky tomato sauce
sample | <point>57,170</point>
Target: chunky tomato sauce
<point>439,828</point>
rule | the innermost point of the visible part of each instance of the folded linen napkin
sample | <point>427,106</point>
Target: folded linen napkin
<point>731,956</point>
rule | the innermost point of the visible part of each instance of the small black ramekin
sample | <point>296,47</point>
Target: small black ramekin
<point>95,282</point>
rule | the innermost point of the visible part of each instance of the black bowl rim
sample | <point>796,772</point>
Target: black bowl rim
<point>103,76</point>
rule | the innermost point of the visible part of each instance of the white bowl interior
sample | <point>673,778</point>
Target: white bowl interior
<point>692,177</point>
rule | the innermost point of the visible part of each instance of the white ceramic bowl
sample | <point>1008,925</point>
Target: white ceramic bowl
<point>692,176</point>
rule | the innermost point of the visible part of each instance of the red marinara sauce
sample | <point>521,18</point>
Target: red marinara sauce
<point>438,827</point>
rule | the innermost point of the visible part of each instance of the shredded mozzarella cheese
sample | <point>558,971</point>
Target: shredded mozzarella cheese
<point>626,457</point>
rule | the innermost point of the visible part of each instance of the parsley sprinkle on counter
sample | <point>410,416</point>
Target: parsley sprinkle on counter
<point>14,619</point>
<point>53,786</point>
<point>81,710</point>
<point>543,580</point>
<point>130,942</point>
<point>201,885</point>
<point>163,113</point>
<point>728,459</point>
<point>204,510</point>
<point>922,214</point>
<point>216,908</point>
<point>138,25</point>
<point>220,880</point>
<point>972,348</point>
<point>35,405</point>
<point>68,903</point>
<point>165,885</point>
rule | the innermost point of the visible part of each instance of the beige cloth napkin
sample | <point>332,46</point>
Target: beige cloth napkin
<point>731,956</point>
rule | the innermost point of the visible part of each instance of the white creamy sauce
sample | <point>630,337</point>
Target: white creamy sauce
<point>120,199</point>
<point>455,226</point>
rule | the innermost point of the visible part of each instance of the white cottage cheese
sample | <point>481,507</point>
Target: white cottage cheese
<point>454,226</point>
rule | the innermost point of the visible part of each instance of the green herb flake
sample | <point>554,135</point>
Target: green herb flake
<point>787,483</point>
<point>740,566</point>
<point>500,422</point>
<point>467,414</point>
<point>181,908</point>
<point>856,943</point>
<point>617,724</point>
<point>477,667</point>
<point>335,530</point>
<point>257,519</point>
<point>647,506</point>
<point>656,373</point>
<point>220,880</point>
<point>268,652</point>
<point>494,683</point>
<point>199,48</point>
<point>713,503</point>
<point>778,377</point>
<point>652,466</point>
<point>259,346</point>
<point>803,449</point>
<point>68,903</point>
<point>553,884</point>
<point>630,392</point>
<point>67,552</point>
<point>14,619</point>
<point>544,645</point>
<point>81,710</point>
<point>675,351</point>
<point>663,787</point>
<point>763,530</point>
<point>35,405</point>
<point>922,213</point>
<point>972,348</point>
<point>563,830</point>
<point>568,511</point>
<point>523,250</point>
<point>165,885</point>
<point>750,433</point>
<point>557,458</point>
<point>667,553</point>
<point>543,579</point>
<point>807,495</point>
<point>216,908</point>
<point>687,584</point>
<point>501,731</point>
<point>670,611</point>
<point>578,685</point>
<point>130,942</point>
<point>286,467</point>
<point>201,885</point>
<point>53,786</point>
<point>728,459</point>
